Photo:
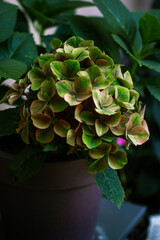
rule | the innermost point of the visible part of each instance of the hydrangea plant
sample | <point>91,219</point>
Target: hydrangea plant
<point>78,94</point>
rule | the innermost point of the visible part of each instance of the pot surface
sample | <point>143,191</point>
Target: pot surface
<point>60,202</point>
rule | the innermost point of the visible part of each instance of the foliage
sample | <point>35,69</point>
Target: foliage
<point>77,93</point>
<point>132,38</point>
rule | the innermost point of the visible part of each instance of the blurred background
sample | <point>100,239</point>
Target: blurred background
<point>141,176</point>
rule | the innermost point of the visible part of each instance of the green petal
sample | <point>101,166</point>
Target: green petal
<point>72,67</point>
<point>77,112</point>
<point>71,99</point>
<point>101,128</point>
<point>91,141</point>
<point>36,76</point>
<point>45,135</point>
<point>41,121</point>
<point>117,160</point>
<point>100,151</point>
<point>71,137</point>
<point>55,43</point>
<point>101,83</point>
<point>111,110</point>
<point>63,87</point>
<point>82,88</point>
<point>122,94</point>
<point>87,117</point>
<point>37,106</point>
<point>61,128</point>
<point>74,41</point>
<point>113,120</point>
<point>94,72</point>
<point>138,135</point>
<point>57,104</point>
<point>58,69</point>
<point>98,166</point>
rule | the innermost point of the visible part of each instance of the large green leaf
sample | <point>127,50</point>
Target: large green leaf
<point>149,27</point>
<point>110,185</point>
<point>153,85</point>
<point>8,14</point>
<point>11,68</point>
<point>95,28</point>
<point>118,17</point>
<point>46,12</point>
<point>21,47</point>
<point>150,64</point>
<point>27,163</point>
<point>9,119</point>
<point>146,63</point>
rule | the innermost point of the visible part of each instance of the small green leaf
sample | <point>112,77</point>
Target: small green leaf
<point>110,185</point>
<point>10,68</point>
<point>98,166</point>
<point>149,28</point>
<point>91,141</point>
<point>9,120</point>
<point>118,18</point>
<point>153,85</point>
<point>72,67</point>
<point>27,163</point>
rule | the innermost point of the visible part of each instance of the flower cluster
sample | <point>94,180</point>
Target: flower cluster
<point>76,92</point>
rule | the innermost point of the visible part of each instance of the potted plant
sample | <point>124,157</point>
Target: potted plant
<point>73,104</point>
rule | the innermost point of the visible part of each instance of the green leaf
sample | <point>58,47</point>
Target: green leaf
<point>123,45</point>
<point>8,15</point>
<point>147,63</point>
<point>91,141</point>
<point>27,163</point>
<point>9,120</point>
<point>153,85</point>
<point>95,28</point>
<point>10,68</point>
<point>119,19</point>
<point>110,185</point>
<point>21,47</point>
<point>150,64</point>
<point>22,25</point>
<point>149,28</point>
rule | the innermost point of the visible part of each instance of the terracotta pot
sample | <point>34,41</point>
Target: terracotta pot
<point>60,202</point>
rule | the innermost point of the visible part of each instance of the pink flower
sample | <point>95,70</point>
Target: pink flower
<point>121,142</point>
